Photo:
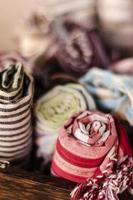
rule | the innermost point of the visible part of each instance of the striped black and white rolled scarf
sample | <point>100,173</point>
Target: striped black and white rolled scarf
<point>16,91</point>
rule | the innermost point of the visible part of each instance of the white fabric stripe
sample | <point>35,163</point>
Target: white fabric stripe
<point>14,132</point>
<point>17,137</point>
<point>11,94</point>
<point>17,125</point>
<point>16,155</point>
<point>15,143</point>
<point>14,119</point>
<point>16,104</point>
<point>17,148</point>
<point>14,111</point>
<point>7,101</point>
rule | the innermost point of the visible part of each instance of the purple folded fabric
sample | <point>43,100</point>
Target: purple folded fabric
<point>79,49</point>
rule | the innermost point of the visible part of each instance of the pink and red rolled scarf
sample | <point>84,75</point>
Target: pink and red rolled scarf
<point>93,150</point>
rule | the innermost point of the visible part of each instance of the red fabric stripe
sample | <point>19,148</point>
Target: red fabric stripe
<point>75,160</point>
<point>123,139</point>
<point>60,173</point>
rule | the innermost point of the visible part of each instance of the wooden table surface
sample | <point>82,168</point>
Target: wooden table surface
<point>19,185</point>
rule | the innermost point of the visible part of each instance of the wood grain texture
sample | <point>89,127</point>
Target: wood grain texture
<point>32,186</point>
<point>19,185</point>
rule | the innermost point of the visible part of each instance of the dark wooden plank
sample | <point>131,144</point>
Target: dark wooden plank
<point>18,185</point>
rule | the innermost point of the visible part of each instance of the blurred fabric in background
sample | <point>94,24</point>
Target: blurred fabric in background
<point>16,11</point>
<point>12,13</point>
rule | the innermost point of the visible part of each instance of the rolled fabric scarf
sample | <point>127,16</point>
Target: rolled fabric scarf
<point>16,91</point>
<point>83,12</point>
<point>112,92</point>
<point>53,110</point>
<point>92,149</point>
<point>79,49</point>
<point>124,66</point>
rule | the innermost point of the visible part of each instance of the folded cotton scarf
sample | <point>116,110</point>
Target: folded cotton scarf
<point>93,149</point>
<point>53,110</point>
<point>79,49</point>
<point>113,93</point>
<point>16,91</point>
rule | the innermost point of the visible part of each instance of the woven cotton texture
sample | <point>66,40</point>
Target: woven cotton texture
<point>80,49</point>
<point>53,110</point>
<point>16,90</point>
<point>113,93</point>
<point>92,149</point>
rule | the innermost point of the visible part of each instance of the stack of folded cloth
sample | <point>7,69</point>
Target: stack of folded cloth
<point>112,92</point>
<point>16,91</point>
<point>79,49</point>
<point>53,110</point>
<point>92,149</point>
<point>83,12</point>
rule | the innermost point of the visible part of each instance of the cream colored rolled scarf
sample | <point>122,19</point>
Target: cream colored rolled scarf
<point>53,110</point>
<point>16,91</point>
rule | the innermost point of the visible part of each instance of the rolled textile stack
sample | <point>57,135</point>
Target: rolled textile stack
<point>116,19</point>
<point>79,49</point>
<point>93,149</point>
<point>53,110</point>
<point>16,91</point>
<point>112,92</point>
<point>80,11</point>
<point>35,37</point>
